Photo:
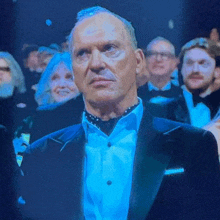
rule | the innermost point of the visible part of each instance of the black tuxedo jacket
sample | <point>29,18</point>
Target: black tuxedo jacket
<point>52,174</point>
<point>173,93</point>
<point>177,110</point>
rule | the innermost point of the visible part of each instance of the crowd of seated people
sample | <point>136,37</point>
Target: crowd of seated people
<point>186,87</point>
<point>59,103</point>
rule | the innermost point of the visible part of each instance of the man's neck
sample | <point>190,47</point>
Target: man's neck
<point>159,81</point>
<point>200,92</point>
<point>107,111</point>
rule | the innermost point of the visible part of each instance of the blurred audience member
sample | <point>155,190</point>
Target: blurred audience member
<point>65,46</point>
<point>45,55</point>
<point>214,35</point>
<point>32,71</point>
<point>57,82</point>
<point>197,105</point>
<point>161,64</point>
<point>31,57</point>
<point>12,86</point>
<point>60,103</point>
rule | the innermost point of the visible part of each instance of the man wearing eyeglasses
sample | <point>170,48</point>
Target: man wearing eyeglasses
<point>161,64</point>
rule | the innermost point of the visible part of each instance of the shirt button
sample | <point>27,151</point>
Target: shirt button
<point>109,182</point>
<point>109,144</point>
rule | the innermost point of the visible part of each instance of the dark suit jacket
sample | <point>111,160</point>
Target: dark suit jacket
<point>52,177</point>
<point>177,110</point>
<point>171,94</point>
<point>8,200</point>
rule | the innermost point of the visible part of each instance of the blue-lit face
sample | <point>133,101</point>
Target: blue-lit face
<point>198,69</point>
<point>62,84</point>
<point>5,74</point>
<point>104,62</point>
<point>160,60</point>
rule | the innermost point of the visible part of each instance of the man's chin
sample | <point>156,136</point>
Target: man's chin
<point>101,100</point>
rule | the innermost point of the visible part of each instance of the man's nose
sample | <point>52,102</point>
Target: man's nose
<point>159,57</point>
<point>195,67</point>
<point>97,63</point>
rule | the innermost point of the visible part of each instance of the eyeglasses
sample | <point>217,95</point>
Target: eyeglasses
<point>5,69</point>
<point>164,55</point>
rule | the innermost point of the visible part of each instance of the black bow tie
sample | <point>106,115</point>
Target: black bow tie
<point>166,93</point>
<point>198,99</point>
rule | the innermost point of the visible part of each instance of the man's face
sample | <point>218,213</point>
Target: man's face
<point>198,70</point>
<point>62,85</point>
<point>33,61</point>
<point>5,73</point>
<point>104,62</point>
<point>44,59</point>
<point>160,60</point>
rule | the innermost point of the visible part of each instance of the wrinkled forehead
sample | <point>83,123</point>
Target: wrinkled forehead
<point>104,24</point>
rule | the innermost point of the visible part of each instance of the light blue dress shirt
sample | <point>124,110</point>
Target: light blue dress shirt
<point>108,167</point>
<point>175,78</point>
<point>200,114</point>
<point>151,87</point>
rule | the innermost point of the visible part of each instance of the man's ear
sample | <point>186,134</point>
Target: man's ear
<point>142,74</point>
<point>140,61</point>
<point>217,73</point>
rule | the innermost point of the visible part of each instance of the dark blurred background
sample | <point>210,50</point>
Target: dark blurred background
<point>43,22</point>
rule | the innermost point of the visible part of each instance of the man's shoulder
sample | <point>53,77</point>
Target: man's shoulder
<point>62,136</point>
<point>166,126</point>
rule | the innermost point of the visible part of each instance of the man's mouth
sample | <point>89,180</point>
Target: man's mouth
<point>158,67</point>
<point>196,77</point>
<point>100,81</point>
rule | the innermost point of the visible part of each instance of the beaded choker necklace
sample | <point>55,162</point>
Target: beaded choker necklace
<point>107,126</point>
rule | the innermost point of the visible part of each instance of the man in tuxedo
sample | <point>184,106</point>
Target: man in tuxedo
<point>198,104</point>
<point>161,64</point>
<point>120,162</point>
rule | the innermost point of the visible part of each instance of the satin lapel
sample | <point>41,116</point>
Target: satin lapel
<point>181,111</point>
<point>73,152</point>
<point>153,153</point>
<point>70,146</point>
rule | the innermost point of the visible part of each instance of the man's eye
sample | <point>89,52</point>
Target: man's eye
<point>82,55</point>
<point>109,47</point>
<point>204,63</point>
<point>111,50</point>
<point>189,62</point>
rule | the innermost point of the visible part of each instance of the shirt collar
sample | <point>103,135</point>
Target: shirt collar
<point>151,87</point>
<point>133,119</point>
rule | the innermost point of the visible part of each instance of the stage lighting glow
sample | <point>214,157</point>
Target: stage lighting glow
<point>48,22</point>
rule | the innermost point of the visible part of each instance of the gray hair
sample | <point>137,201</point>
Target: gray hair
<point>43,94</point>
<point>161,39</point>
<point>17,76</point>
<point>92,11</point>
